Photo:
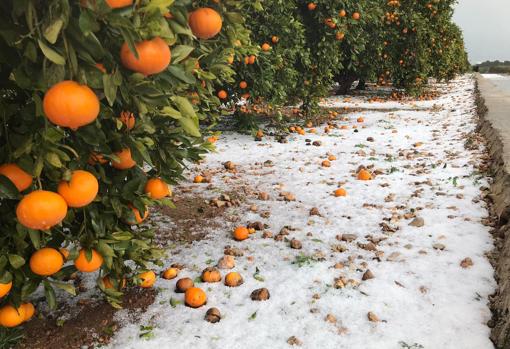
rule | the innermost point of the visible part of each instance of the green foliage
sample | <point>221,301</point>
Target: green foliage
<point>43,43</point>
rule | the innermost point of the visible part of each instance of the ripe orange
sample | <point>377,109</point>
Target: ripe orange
<point>233,279</point>
<point>5,288</point>
<point>198,179</point>
<point>81,190</point>
<point>356,16</point>
<point>364,175</point>
<point>153,56</point>
<point>275,39</point>
<point>195,297</point>
<point>252,59</point>
<point>360,119</point>
<point>41,210</point>
<point>108,283</point>
<point>119,3</point>
<point>127,119</point>
<point>222,94</point>
<point>10,316</point>
<point>266,47</point>
<point>340,192</point>
<point>205,23</point>
<point>21,179</point>
<point>243,84</point>
<point>138,217</point>
<point>311,6</point>
<point>88,266</point>
<point>170,273</point>
<point>211,274</point>
<point>331,158</point>
<point>148,279</point>
<point>125,160</point>
<point>342,13</point>
<point>326,163</point>
<point>69,104</point>
<point>157,189</point>
<point>46,261</point>
<point>230,59</point>
<point>241,233</point>
<point>65,252</point>
<point>340,36</point>
<point>29,310</point>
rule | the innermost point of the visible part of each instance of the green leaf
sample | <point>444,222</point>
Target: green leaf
<point>171,112</point>
<point>105,249</point>
<point>88,23</point>
<point>53,159</point>
<point>5,277</point>
<point>7,189</point>
<point>49,293</point>
<point>122,236</point>
<point>185,107</point>
<point>66,287</point>
<point>181,52</point>
<point>35,237</point>
<point>174,302</point>
<point>51,54</point>
<point>190,127</point>
<point>16,261</point>
<point>110,89</point>
<point>179,73</point>
<point>51,32</point>
<point>253,316</point>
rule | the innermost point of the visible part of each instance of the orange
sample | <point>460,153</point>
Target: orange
<point>340,192</point>
<point>69,104</point>
<point>205,23</point>
<point>251,59</point>
<point>211,274</point>
<point>153,56</point>
<point>360,119</point>
<point>81,190</point>
<point>21,179</point>
<point>311,6</point>
<point>331,158</point>
<point>241,233</point>
<point>243,84</point>
<point>198,179</point>
<point>128,119</point>
<point>10,316</point>
<point>340,36</point>
<point>108,283</point>
<point>148,279</point>
<point>266,47</point>
<point>157,189</point>
<point>342,13</point>
<point>41,209</point>
<point>233,279</point>
<point>88,266</point>
<point>138,217</point>
<point>356,16</point>
<point>29,310</point>
<point>222,94</point>
<point>5,288</point>
<point>326,163</point>
<point>195,297</point>
<point>100,67</point>
<point>65,252</point>
<point>182,285</point>
<point>230,59</point>
<point>46,261</point>
<point>170,273</point>
<point>364,175</point>
<point>119,3</point>
<point>125,160</point>
<point>275,39</point>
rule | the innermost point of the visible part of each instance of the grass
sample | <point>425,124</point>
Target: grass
<point>10,337</point>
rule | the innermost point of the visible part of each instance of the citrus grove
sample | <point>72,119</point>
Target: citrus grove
<point>105,102</point>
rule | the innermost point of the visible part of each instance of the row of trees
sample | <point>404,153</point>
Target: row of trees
<point>101,103</point>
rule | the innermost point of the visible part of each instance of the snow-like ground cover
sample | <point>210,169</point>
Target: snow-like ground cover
<point>420,295</point>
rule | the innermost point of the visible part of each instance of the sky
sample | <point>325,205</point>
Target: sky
<point>486,26</point>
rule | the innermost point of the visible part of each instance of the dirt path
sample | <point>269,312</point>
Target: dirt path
<point>397,263</point>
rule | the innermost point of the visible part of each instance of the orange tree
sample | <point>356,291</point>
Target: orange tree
<point>96,122</point>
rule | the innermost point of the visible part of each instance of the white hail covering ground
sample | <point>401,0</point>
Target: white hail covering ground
<point>421,294</point>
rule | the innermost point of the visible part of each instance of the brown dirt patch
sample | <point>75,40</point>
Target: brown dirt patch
<point>94,324</point>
